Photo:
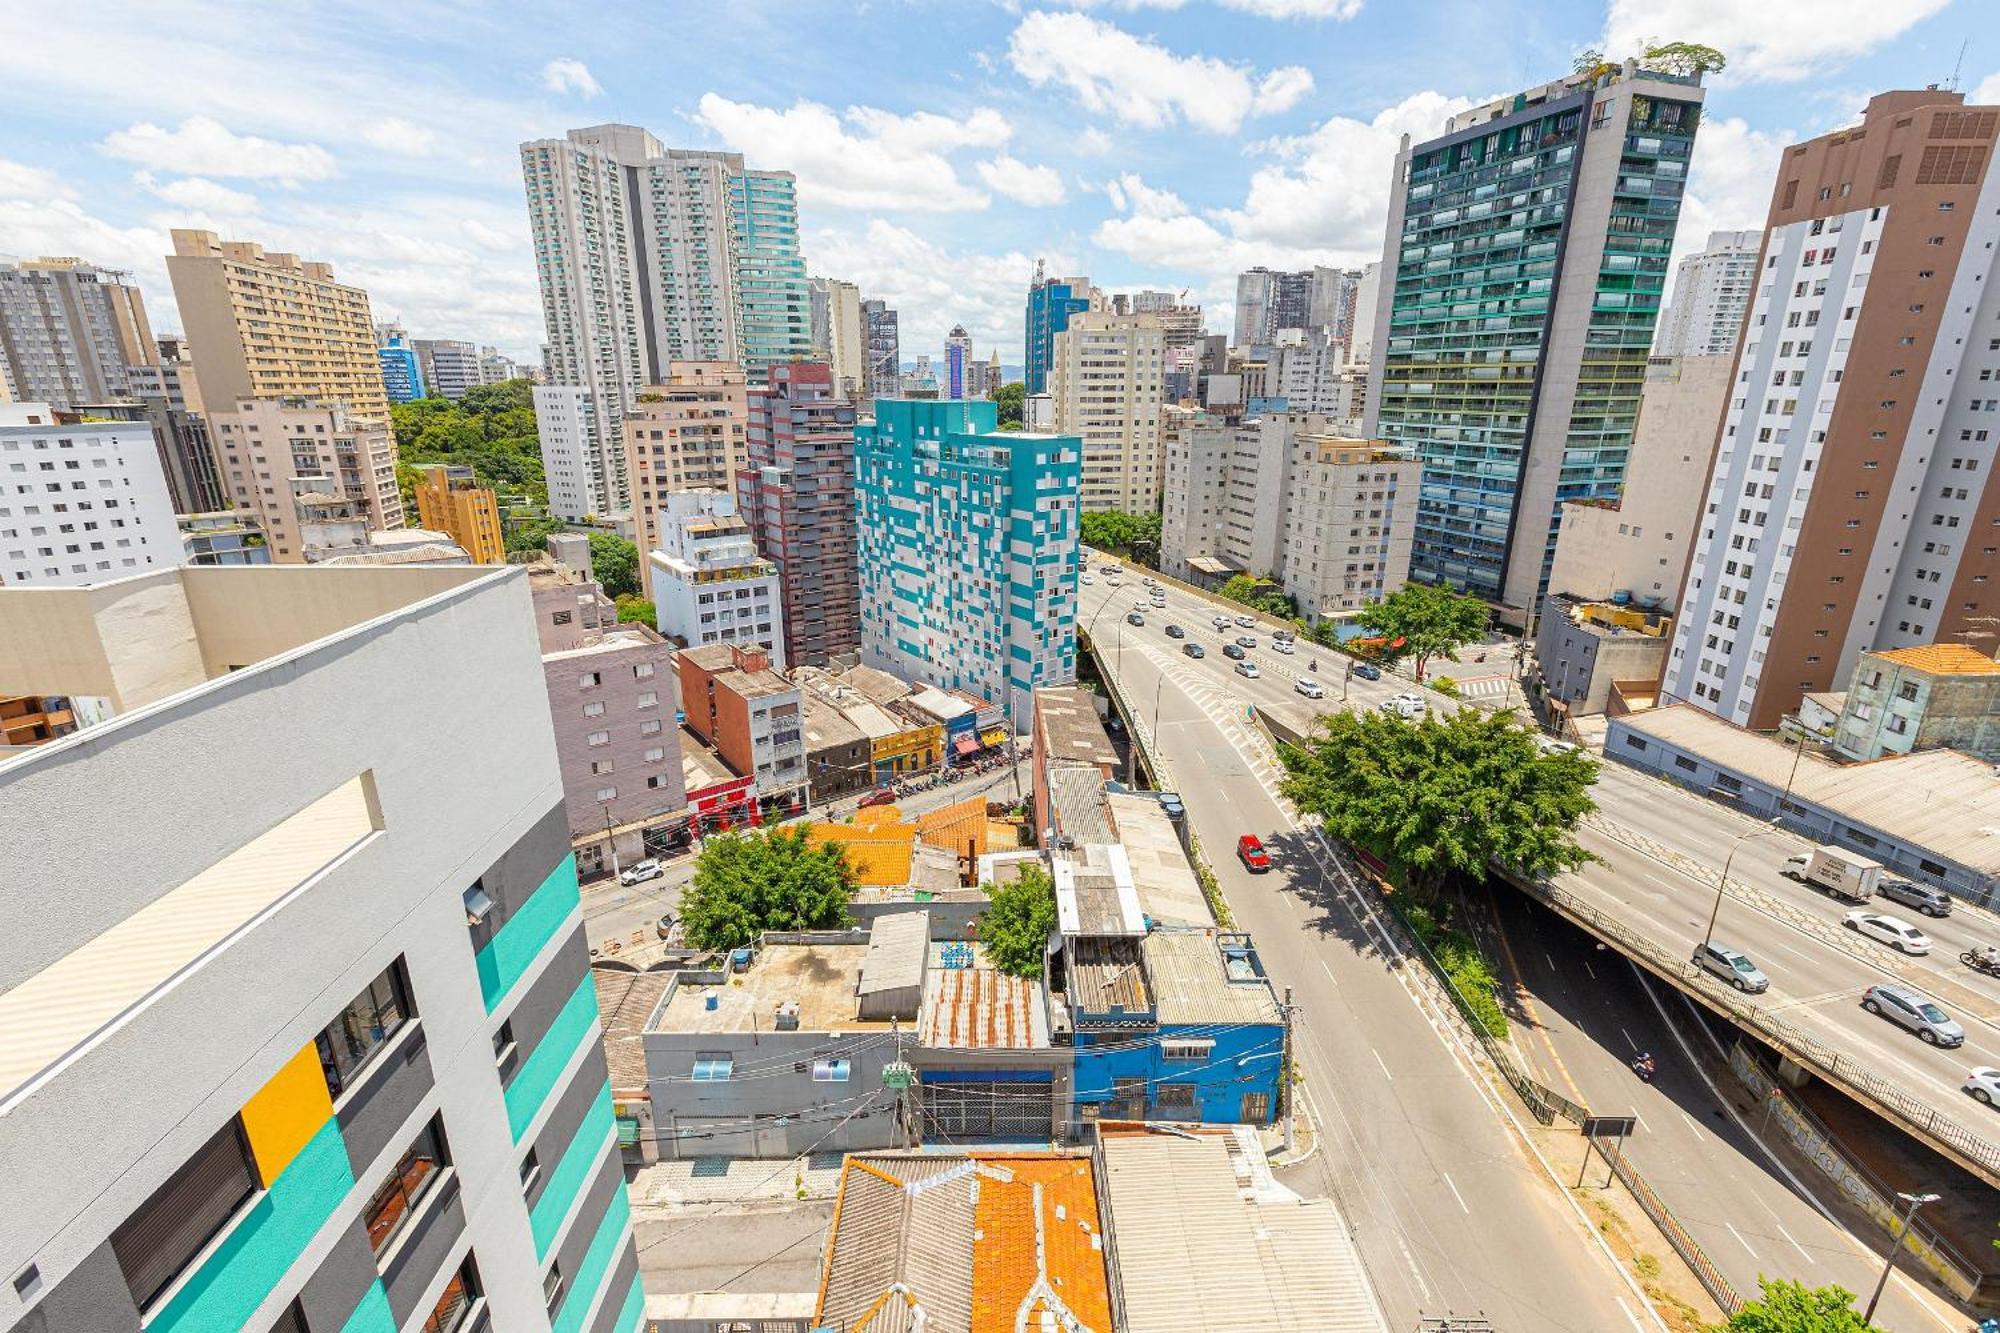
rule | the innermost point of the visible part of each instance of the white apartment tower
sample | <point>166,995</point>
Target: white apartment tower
<point>70,333</point>
<point>707,580</point>
<point>1711,292</point>
<point>80,502</point>
<point>1108,387</point>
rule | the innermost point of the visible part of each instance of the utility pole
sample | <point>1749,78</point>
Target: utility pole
<point>611,841</point>
<point>1915,1201</point>
<point>1285,1089</point>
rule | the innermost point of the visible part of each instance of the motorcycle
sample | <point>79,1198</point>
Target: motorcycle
<point>1644,1068</point>
<point>1978,961</point>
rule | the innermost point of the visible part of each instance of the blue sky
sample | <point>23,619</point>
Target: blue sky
<point>941,147</point>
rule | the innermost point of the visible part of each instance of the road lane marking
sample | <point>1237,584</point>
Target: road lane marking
<point>1804,1253</point>
<point>1740,1241</point>
<point>1380,1061</point>
<point>1455,1194</point>
<point>1628,1039</point>
<point>1587,968</point>
<point>1627,1311</point>
<point>1692,1125</point>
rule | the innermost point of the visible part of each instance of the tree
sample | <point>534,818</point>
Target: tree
<point>1793,1307</point>
<point>616,562</point>
<point>1015,928</point>
<point>633,609</point>
<point>1684,58</point>
<point>1443,796</point>
<point>492,430</point>
<point>777,879</point>
<point>1013,401</point>
<point>1254,594</point>
<point>1428,618</point>
<point>532,534</point>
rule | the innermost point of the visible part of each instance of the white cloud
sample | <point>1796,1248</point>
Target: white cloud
<point>1770,40</point>
<point>394,134</point>
<point>1988,91</point>
<point>1270,9</point>
<point>21,181</point>
<point>1035,186</point>
<point>1141,82</point>
<point>1092,142</point>
<point>861,158</point>
<point>565,75</point>
<point>203,195</point>
<point>205,147</point>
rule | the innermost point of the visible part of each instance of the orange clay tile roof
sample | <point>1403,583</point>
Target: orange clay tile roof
<point>881,856</point>
<point>1944,659</point>
<point>951,828</point>
<point>981,1243</point>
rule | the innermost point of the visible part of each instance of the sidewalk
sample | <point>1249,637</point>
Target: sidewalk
<point>736,1180</point>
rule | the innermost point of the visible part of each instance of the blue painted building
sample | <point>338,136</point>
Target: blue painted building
<point>401,375</point>
<point>968,550</point>
<point>1051,301</point>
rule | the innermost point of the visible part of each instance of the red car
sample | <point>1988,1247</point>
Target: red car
<point>880,796</point>
<point>1252,853</point>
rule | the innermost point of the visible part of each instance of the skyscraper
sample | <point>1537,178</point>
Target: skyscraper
<point>1051,301</point>
<point>450,366</point>
<point>796,492</point>
<point>1711,292</point>
<point>70,332</point>
<point>274,326</point>
<point>770,271</point>
<point>402,372</point>
<point>968,550</point>
<point>883,370</point>
<point>1267,301</point>
<point>1532,403</point>
<point>958,364</point>
<point>1850,504</point>
<point>685,433</point>
<point>1108,389</point>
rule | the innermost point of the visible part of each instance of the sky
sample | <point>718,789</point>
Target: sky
<point>941,146</point>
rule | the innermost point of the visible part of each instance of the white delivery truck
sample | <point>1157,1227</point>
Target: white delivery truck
<point>1842,874</point>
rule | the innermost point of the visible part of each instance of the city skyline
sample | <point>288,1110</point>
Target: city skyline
<point>1165,147</point>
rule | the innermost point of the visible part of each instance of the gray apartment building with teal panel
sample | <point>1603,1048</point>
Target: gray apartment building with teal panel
<point>301,1036</point>
<point>968,550</point>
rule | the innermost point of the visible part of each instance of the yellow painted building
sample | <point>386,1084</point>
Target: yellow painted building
<point>909,751</point>
<point>449,501</point>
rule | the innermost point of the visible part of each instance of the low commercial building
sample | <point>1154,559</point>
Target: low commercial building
<point>1067,733</point>
<point>706,579</point>
<point>1926,816</point>
<point>901,740</point>
<point>734,701</point>
<point>839,761</point>
<point>1943,695</point>
<point>718,798</point>
<point>1582,647</point>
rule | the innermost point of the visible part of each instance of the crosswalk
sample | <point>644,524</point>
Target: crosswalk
<point>1485,689</point>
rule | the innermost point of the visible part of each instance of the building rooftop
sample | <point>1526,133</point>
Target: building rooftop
<point>624,637</point>
<point>821,978</point>
<point>1107,976</point>
<point>1070,726</point>
<point>1094,892</point>
<point>759,684</point>
<point>701,767</point>
<point>1076,793</point>
<point>1203,976</point>
<point>1942,800</point>
<point>877,685</point>
<point>825,725</point>
<point>1943,659</point>
<point>1199,1251</point>
<point>880,847</point>
<point>940,706</point>
<point>969,1005</point>
<point>1166,885</point>
<point>898,947</point>
<point>624,1002</point>
<point>975,1243</point>
<point>959,828</point>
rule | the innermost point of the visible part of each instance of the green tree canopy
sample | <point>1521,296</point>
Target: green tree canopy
<point>1242,588</point>
<point>616,562</point>
<point>1013,401</point>
<point>634,609</point>
<point>491,430</point>
<point>1684,58</point>
<point>1443,796</point>
<point>1428,618</point>
<point>776,879</point>
<point>1121,533</point>
<point>1015,928</point>
<point>1793,1307</point>
<point>533,534</point>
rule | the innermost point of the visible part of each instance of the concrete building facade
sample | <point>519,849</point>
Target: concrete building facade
<point>1851,503</point>
<point>1938,696</point>
<point>688,432</point>
<point>584,467</point>
<point>70,332</point>
<point>411,1124</point>
<point>274,326</point>
<point>796,491</point>
<point>612,702</point>
<point>882,372</point>
<point>1051,302</point>
<point>752,716</point>
<point>402,372</point>
<point>1711,295</point>
<point>282,457</point>
<point>843,341</point>
<point>1582,647</point>
<point>449,366</point>
<point>706,579</point>
<point>450,500</point>
<point>80,502</point>
<point>969,550</point>
<point>1108,390</point>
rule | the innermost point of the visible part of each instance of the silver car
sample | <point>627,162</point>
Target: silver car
<point>1914,1010</point>
<point>1732,966</point>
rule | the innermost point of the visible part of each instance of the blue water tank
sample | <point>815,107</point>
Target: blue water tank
<point>739,959</point>
<point>1621,597</point>
<point>711,1001</point>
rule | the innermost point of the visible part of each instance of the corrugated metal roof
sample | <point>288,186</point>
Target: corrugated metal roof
<point>625,1001</point>
<point>898,945</point>
<point>1197,1255</point>
<point>980,1008</point>
<point>1191,984</point>
<point>1077,793</point>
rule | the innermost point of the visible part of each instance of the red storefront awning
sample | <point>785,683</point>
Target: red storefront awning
<point>965,745</point>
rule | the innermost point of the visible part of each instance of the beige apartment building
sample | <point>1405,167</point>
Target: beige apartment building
<point>274,326</point>
<point>1108,387</point>
<point>1350,515</point>
<point>288,460</point>
<point>690,432</point>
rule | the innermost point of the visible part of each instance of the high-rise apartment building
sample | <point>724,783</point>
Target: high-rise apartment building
<point>968,550</point>
<point>284,460</point>
<point>707,580</point>
<point>274,326</point>
<point>449,366</point>
<point>70,332</point>
<point>1851,504</point>
<point>80,502</point>
<point>1330,308</point>
<point>882,373</point>
<point>495,367</point>
<point>1315,377</point>
<point>685,433</point>
<point>776,312</point>
<point>402,370</point>
<point>583,465</point>
<point>796,492</point>
<point>1108,388</point>
<point>1532,403</point>
<point>1267,301</point>
<point>1051,302</point>
<point>450,500</point>
<point>958,364</point>
<point>1367,298</point>
<point>347,988</point>
<point>1711,292</point>
<point>840,334</point>
<point>170,397</point>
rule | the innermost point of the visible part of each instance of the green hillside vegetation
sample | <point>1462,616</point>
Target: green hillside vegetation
<point>492,429</point>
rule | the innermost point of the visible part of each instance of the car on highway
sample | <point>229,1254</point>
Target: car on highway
<point>1194,650</point>
<point>1135,619</point>
<point>1309,687</point>
<point>1246,641</point>
<point>1246,621</point>
<point>1250,851</point>
<point>1983,1082</point>
<point>1233,652</point>
<point>1929,901</point>
<point>1732,966</point>
<point>1284,635</point>
<point>664,927</point>
<point>1911,1008</point>
<point>880,796</point>
<point>1892,931</point>
<point>1367,671</point>
<point>1087,580</point>
<point>641,871</point>
<point>1248,669</point>
<point>1405,705</point>
<point>1176,632</point>
<point>1220,622</point>
<point>1283,646</point>
<point>1170,805</point>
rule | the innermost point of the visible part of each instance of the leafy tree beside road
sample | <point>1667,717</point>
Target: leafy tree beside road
<point>1430,620</point>
<point>1015,928</point>
<point>1793,1307</point>
<point>1242,588</point>
<point>1117,533</point>
<point>748,883</point>
<point>1443,796</point>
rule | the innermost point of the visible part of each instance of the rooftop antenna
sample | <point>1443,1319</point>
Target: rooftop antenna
<point>1958,65</point>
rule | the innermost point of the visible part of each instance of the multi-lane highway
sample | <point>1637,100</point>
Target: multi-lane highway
<point>1661,853</point>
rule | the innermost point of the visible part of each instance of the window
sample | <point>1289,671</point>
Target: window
<point>714,1067</point>
<point>409,1181</point>
<point>503,1042</point>
<point>552,1288</point>
<point>531,1171</point>
<point>1684,763</point>
<point>562,617</point>
<point>1176,1097</point>
<point>459,1296</point>
<point>167,1231</point>
<point>587,681</point>
<point>374,1016</point>
<point>1193,1049</point>
<point>830,1071</point>
<point>598,738</point>
<point>594,709</point>
<point>642,670</point>
<point>1636,742</point>
<point>1907,690</point>
<point>649,699</point>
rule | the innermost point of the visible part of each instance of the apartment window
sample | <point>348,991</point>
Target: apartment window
<point>552,1288</point>
<point>587,681</point>
<point>607,794</point>
<point>594,709</point>
<point>562,617</point>
<point>649,699</point>
<point>642,670</point>
<point>1194,1049</point>
<point>713,1067</point>
<point>598,738</point>
<point>167,1231</point>
<point>831,1071</point>
<point>348,1043</point>
<point>650,727</point>
<point>503,1042</point>
<point>531,1171</point>
<point>455,1303</point>
<point>412,1177</point>
<point>1907,690</point>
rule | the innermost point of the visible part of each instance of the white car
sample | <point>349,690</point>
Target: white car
<point>1283,646</point>
<point>1246,621</point>
<point>1892,931</point>
<point>1088,580</point>
<point>1248,669</point>
<point>1984,1084</point>
<point>640,871</point>
<point>1220,622</point>
<point>1404,706</point>
<point>1246,641</point>
<point>1310,688</point>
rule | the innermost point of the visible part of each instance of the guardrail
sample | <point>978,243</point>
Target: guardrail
<point>1686,1246</point>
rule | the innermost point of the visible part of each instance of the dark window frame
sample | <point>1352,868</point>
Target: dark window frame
<point>346,1049</point>
<point>400,1188</point>
<point>149,1276</point>
<point>461,1293</point>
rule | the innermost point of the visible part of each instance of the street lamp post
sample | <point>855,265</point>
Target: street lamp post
<point>1915,1201</point>
<point>1798,753</point>
<point>1722,885</point>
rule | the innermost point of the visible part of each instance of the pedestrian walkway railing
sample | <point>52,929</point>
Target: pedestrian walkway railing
<point>1685,1245</point>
